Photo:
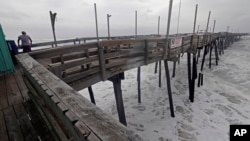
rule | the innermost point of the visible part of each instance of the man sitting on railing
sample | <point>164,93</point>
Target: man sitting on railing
<point>26,42</point>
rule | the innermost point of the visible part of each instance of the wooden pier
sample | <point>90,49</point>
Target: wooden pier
<point>53,77</point>
<point>20,119</point>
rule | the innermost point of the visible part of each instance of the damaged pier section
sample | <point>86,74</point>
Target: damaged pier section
<point>55,75</point>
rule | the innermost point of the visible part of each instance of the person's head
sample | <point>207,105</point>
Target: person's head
<point>23,32</point>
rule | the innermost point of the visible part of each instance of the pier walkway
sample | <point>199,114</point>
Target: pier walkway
<point>20,120</point>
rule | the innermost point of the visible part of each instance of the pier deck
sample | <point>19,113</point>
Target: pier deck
<point>19,117</point>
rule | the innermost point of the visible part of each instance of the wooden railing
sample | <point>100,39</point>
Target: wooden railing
<point>85,64</point>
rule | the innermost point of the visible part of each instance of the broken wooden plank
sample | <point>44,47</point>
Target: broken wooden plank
<point>25,124</point>
<point>72,56</point>
<point>100,123</point>
<point>13,92</point>
<point>3,130</point>
<point>22,87</point>
<point>14,131</point>
<point>3,93</point>
<point>47,53</point>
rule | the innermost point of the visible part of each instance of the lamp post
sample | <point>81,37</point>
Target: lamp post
<point>108,16</point>
<point>52,19</point>
<point>214,25</point>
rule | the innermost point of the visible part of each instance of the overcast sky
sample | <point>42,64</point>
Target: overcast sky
<point>75,18</point>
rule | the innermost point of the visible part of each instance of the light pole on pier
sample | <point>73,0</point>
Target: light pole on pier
<point>108,16</point>
<point>52,19</point>
<point>214,25</point>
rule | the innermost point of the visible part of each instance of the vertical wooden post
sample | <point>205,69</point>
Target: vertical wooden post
<point>174,68</point>
<point>179,56</point>
<point>91,94</point>
<point>158,33</point>
<point>156,66</point>
<point>214,25</point>
<point>210,55</point>
<point>52,19</point>
<point>189,72</point>
<point>194,76</point>
<point>160,73</point>
<point>139,68</point>
<point>204,57</point>
<point>219,45</point>
<point>100,49</point>
<point>135,24</point>
<point>169,89</point>
<point>116,80</point>
<point>139,84</point>
<point>194,73</point>
<point>199,80</point>
<point>208,21</point>
<point>216,51</point>
<point>202,64</point>
<point>178,21</point>
<point>168,29</point>
<point>198,56</point>
<point>108,16</point>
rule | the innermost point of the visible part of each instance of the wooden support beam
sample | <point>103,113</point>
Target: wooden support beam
<point>189,74</point>
<point>204,57</point>
<point>12,125</point>
<point>47,53</point>
<point>174,67</point>
<point>91,94</point>
<point>3,93</point>
<point>201,79</point>
<point>160,73</point>
<point>116,80</point>
<point>101,62</point>
<point>156,66</point>
<point>210,55</point>
<point>198,55</point>
<point>216,52</point>
<point>194,76</point>
<point>146,49</point>
<point>139,84</point>
<point>3,129</point>
<point>169,89</point>
<point>179,58</point>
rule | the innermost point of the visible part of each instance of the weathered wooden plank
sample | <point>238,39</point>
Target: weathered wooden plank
<point>72,56</point>
<point>13,92</point>
<point>73,63</point>
<point>14,131</point>
<point>27,129</point>
<point>85,131</point>
<point>47,53</point>
<point>146,49</point>
<point>81,81</point>
<point>84,83</point>
<point>99,122</point>
<point>80,75</point>
<point>22,87</point>
<point>3,94</point>
<point>62,107</point>
<point>60,121</point>
<point>43,122</point>
<point>3,130</point>
<point>108,43</point>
